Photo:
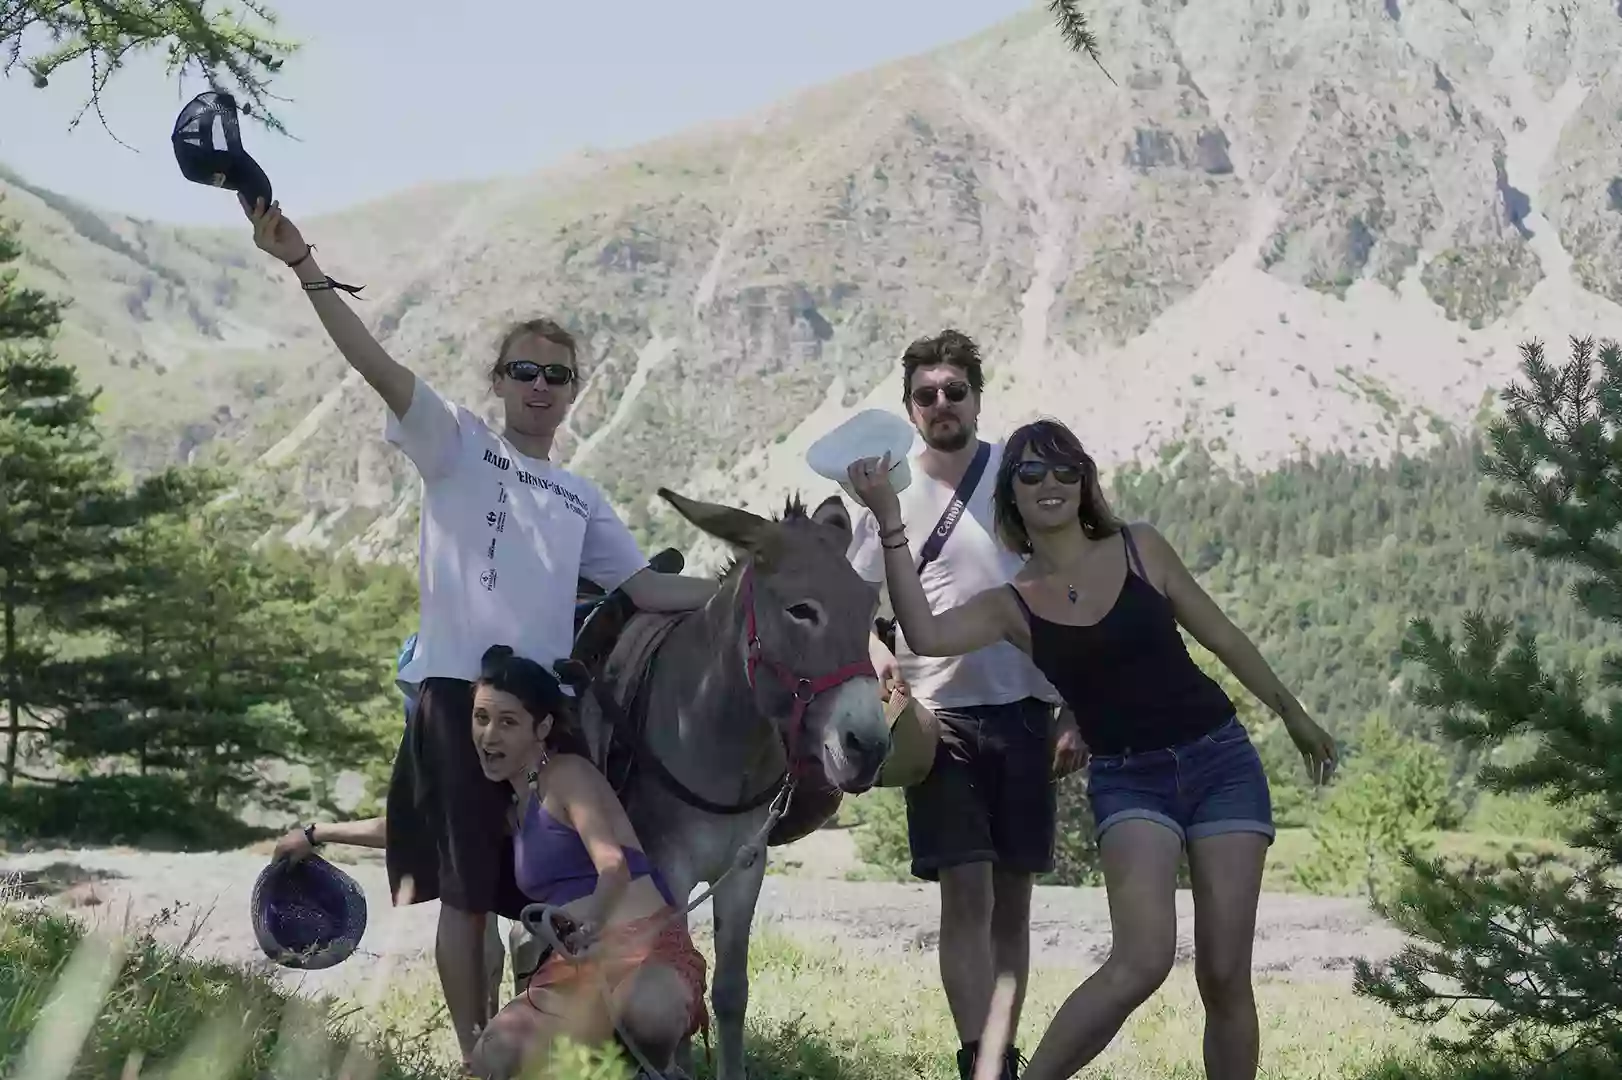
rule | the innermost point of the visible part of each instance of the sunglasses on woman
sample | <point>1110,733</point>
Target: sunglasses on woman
<point>526,370</point>
<point>1032,472</point>
<point>924,396</point>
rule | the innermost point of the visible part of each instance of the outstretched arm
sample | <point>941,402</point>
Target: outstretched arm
<point>650,590</point>
<point>1201,617</point>
<point>372,833</point>
<point>596,814</point>
<point>278,236</point>
<point>611,557</point>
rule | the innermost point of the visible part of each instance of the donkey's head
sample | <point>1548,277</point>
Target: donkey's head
<point>799,627</point>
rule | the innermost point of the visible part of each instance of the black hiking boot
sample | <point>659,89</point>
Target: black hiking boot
<point>1013,1063</point>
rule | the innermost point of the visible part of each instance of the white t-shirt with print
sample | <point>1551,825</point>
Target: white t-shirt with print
<point>971,561</point>
<point>505,539</point>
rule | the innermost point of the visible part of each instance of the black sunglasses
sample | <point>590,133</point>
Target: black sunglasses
<point>526,370</point>
<point>1031,472</point>
<point>924,396</point>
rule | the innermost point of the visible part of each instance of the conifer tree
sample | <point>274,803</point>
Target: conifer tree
<point>1533,954</point>
<point>61,503</point>
<point>225,655</point>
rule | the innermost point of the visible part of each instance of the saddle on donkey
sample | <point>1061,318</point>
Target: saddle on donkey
<point>610,671</point>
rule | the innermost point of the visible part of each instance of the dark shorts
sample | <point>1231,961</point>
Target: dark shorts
<point>447,821</point>
<point>1209,785</point>
<point>991,795</point>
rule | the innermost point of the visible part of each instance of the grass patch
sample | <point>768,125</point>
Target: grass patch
<point>122,1008</point>
<point>815,1014</point>
<point>850,1006</point>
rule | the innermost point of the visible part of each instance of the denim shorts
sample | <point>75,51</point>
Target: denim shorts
<point>1210,785</point>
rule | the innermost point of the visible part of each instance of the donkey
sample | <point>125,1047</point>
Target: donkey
<point>767,685</point>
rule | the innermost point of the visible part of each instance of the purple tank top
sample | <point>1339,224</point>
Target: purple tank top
<point>552,866</point>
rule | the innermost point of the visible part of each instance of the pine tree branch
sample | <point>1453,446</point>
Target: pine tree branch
<point>1077,35</point>
<point>225,46</point>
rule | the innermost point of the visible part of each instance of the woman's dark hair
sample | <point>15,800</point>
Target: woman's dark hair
<point>538,692</point>
<point>1057,445</point>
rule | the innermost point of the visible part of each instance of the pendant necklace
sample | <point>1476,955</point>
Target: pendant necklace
<point>1072,594</point>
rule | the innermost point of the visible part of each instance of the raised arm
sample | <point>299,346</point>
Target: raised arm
<point>278,236</point>
<point>983,620</point>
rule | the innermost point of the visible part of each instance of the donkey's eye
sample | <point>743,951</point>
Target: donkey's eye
<point>805,613</point>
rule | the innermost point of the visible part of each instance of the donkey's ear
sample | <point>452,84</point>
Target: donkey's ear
<point>739,528</point>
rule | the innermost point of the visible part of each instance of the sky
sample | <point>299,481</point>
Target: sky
<point>391,94</point>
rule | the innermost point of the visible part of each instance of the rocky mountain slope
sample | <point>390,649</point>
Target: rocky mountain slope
<point>1291,223</point>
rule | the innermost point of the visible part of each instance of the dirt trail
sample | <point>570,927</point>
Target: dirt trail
<point>1297,936</point>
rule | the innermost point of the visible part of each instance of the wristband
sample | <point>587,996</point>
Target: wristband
<point>296,263</point>
<point>309,834</point>
<point>328,283</point>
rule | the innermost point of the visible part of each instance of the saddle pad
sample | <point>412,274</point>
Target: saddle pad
<point>622,675</point>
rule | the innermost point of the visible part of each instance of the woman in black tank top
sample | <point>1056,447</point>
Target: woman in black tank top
<point>1098,607</point>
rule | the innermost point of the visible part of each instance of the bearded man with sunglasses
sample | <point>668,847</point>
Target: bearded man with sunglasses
<point>505,538</point>
<point>982,823</point>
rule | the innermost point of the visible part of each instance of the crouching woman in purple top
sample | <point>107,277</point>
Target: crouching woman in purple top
<point>1098,606</point>
<point>574,849</point>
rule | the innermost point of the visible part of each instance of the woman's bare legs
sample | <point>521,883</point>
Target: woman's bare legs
<point>1227,872</point>
<point>1140,875</point>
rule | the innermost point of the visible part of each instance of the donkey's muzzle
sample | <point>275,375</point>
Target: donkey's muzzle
<point>863,753</point>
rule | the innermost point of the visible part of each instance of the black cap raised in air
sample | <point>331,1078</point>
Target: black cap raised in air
<point>208,147</point>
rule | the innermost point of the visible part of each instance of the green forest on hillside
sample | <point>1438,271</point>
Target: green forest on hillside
<point>1325,561</point>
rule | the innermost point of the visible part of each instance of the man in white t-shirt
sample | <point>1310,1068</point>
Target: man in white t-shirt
<point>982,822</point>
<point>505,537</point>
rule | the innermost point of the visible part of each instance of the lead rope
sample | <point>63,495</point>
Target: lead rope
<point>537,919</point>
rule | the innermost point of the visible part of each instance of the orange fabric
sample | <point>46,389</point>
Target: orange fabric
<point>623,948</point>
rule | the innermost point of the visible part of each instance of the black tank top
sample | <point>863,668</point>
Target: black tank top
<point>1128,677</point>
